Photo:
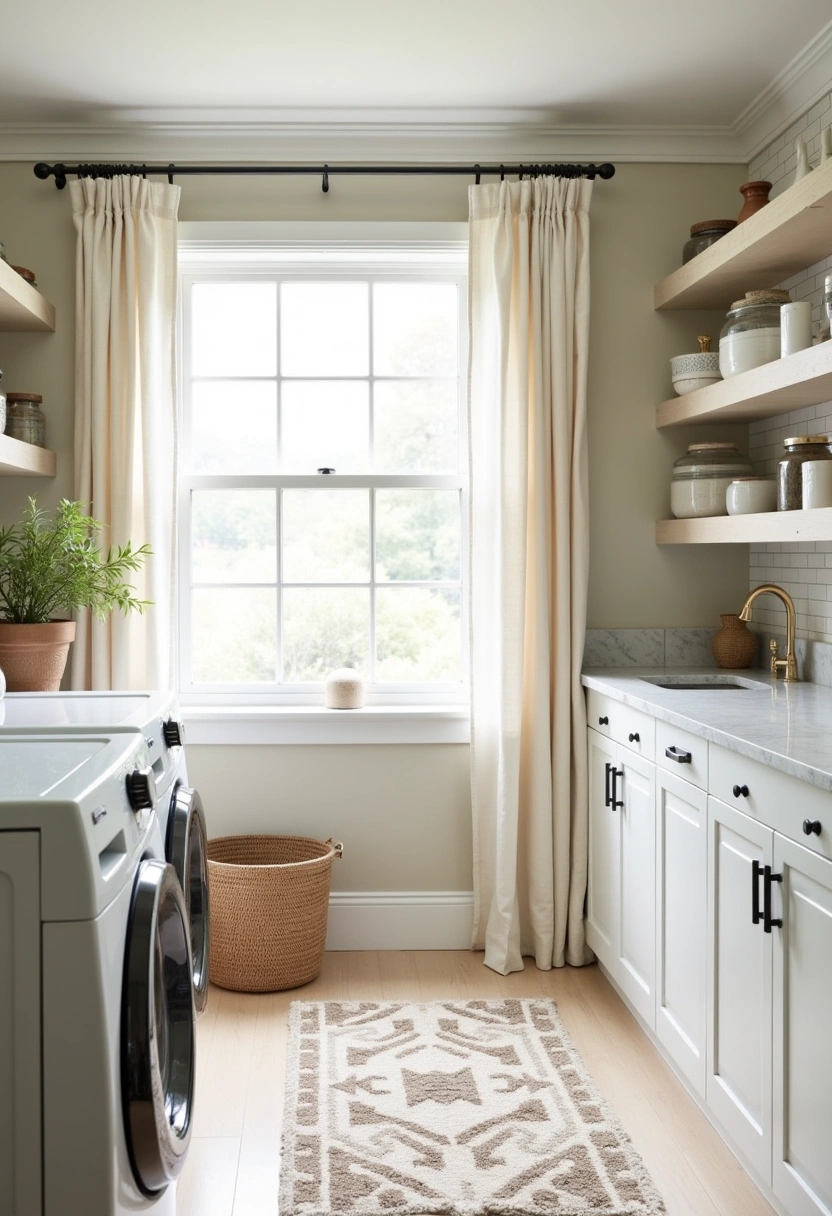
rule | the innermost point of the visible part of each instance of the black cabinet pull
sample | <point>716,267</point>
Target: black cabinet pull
<point>603,721</point>
<point>756,874</point>
<point>678,754</point>
<point>607,797</point>
<point>634,738</point>
<point>768,879</point>
<point>616,773</point>
<point>740,790</point>
<point>812,825</point>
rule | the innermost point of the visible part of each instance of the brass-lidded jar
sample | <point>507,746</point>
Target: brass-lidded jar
<point>799,449</point>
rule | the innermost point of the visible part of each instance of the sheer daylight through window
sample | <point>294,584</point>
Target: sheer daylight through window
<point>323,481</point>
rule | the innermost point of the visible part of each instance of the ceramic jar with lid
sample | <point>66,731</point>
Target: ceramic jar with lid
<point>799,449</point>
<point>25,419</point>
<point>751,333</point>
<point>702,476</point>
<point>703,235</point>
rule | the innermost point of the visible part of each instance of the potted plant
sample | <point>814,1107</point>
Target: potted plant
<point>50,566</point>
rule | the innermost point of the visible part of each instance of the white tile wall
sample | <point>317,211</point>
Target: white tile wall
<point>804,570</point>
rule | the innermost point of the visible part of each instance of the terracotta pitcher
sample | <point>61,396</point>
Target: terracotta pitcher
<point>756,196</point>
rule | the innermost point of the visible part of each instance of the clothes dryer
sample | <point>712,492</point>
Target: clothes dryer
<point>179,810</point>
<point>97,1018</point>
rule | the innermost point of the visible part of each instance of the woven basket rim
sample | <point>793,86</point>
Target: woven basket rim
<point>334,850</point>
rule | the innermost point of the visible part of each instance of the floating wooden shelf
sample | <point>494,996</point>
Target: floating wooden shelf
<point>772,527</point>
<point>21,305</point>
<point>775,388</point>
<point>792,232</point>
<point>24,459</point>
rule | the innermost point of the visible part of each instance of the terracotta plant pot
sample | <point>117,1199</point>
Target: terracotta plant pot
<point>756,196</point>
<point>33,657</point>
<point>734,645</point>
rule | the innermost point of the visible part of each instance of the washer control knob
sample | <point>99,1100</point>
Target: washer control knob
<point>173,733</point>
<point>141,789</point>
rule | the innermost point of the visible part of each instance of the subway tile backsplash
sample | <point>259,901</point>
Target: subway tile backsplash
<point>804,570</point>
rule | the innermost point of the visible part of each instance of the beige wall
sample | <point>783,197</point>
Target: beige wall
<point>404,812</point>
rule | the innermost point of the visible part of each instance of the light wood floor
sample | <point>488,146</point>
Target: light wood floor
<point>232,1168</point>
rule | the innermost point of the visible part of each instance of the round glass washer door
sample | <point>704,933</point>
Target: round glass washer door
<point>158,1029</point>
<point>186,848</point>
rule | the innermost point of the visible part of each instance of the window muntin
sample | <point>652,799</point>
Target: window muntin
<point>287,573</point>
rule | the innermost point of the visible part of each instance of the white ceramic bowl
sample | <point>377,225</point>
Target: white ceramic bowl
<point>750,495</point>
<point>689,384</point>
<point>690,372</point>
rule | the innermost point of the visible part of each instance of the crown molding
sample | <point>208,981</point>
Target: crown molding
<point>317,138</point>
<point>801,85</point>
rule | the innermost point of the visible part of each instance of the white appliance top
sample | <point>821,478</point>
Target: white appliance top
<point>75,792</point>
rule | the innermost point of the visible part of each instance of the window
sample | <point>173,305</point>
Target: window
<point>323,483</point>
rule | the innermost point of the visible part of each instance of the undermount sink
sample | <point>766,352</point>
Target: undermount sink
<point>710,682</point>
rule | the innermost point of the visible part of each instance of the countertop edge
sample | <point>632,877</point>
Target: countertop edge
<point>745,747</point>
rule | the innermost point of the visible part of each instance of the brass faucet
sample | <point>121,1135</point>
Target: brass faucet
<point>789,664</point>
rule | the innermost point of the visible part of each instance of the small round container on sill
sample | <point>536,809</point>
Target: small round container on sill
<point>25,420</point>
<point>751,495</point>
<point>799,450</point>
<point>701,479</point>
<point>703,235</point>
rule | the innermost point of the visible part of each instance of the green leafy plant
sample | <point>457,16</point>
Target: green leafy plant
<point>55,565</point>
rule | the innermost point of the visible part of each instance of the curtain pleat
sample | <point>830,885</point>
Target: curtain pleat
<point>125,414</point>
<point>529,558</point>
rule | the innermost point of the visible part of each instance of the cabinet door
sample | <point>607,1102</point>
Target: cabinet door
<point>636,972</point>
<point>738,1077</point>
<point>681,916</point>
<point>602,882</point>
<point>802,1148</point>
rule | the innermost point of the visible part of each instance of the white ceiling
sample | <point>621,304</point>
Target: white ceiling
<point>614,65</point>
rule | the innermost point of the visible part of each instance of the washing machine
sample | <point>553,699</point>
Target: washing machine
<point>180,814</point>
<point>97,1016</point>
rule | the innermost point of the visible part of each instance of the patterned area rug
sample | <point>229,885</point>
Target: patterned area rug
<point>463,1108</point>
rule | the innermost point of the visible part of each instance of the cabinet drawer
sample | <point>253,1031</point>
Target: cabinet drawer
<point>775,799</point>
<point>688,757</point>
<point>629,727</point>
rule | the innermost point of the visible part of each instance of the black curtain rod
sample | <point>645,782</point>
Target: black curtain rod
<point>60,172</point>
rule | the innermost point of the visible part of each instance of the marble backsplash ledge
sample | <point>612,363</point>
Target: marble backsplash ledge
<point>677,647</point>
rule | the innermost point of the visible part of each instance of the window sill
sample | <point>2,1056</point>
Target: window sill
<point>314,724</point>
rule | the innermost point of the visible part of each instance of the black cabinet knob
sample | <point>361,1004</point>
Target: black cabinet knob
<point>812,827</point>
<point>603,721</point>
<point>740,790</point>
<point>634,738</point>
<point>173,733</point>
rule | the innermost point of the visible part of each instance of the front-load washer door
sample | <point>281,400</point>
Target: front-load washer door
<point>186,848</point>
<point>158,1029</point>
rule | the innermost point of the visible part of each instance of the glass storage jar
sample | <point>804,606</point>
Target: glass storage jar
<point>704,234</point>
<point>799,449</point>
<point>25,419</point>
<point>750,336</point>
<point>702,476</point>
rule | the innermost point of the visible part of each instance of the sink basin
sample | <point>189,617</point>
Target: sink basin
<point>707,682</point>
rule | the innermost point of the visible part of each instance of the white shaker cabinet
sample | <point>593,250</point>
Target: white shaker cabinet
<point>621,913</point>
<point>738,1082</point>
<point>802,1043</point>
<point>681,915</point>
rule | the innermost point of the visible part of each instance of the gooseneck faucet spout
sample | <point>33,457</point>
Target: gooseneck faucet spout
<point>789,664</point>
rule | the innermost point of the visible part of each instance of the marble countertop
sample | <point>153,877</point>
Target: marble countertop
<point>787,726</point>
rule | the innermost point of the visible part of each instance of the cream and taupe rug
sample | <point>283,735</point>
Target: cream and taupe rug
<point>463,1108</point>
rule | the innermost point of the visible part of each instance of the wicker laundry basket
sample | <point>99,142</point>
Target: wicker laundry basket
<point>269,902</point>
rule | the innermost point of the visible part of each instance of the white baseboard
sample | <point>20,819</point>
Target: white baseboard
<point>400,920</point>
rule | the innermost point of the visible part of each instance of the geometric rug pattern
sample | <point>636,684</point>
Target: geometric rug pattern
<point>458,1108</point>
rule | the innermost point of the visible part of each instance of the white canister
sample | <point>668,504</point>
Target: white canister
<point>750,495</point>
<point>740,352</point>
<point>795,327</point>
<point>817,483</point>
<point>345,689</point>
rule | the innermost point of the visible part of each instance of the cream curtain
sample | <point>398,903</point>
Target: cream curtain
<point>125,417</point>
<point>529,327</point>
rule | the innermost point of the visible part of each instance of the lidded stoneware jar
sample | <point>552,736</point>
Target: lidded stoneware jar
<point>750,336</point>
<point>701,477</point>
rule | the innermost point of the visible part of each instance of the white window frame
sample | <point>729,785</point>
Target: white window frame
<point>293,713</point>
